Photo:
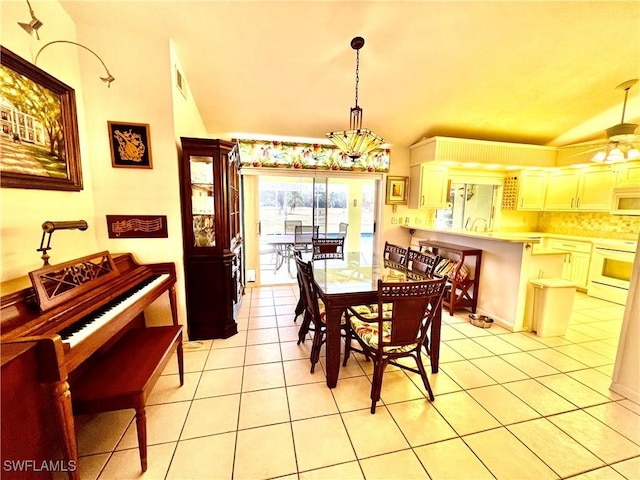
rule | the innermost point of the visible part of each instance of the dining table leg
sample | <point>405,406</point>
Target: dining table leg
<point>436,326</point>
<point>333,315</point>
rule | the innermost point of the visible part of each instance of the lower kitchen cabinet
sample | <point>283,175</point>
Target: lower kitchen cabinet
<point>576,261</point>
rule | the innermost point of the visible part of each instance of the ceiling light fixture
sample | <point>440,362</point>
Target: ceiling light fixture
<point>33,26</point>
<point>621,137</point>
<point>356,141</point>
<point>107,80</point>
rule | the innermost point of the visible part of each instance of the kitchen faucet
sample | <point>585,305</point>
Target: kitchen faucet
<point>474,226</point>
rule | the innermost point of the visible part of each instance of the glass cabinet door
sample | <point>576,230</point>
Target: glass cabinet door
<point>202,201</point>
<point>234,195</point>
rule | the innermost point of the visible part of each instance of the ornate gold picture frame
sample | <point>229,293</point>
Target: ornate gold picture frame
<point>397,190</point>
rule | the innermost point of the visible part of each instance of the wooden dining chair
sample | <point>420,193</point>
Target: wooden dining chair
<point>314,311</point>
<point>421,265</point>
<point>394,256</point>
<point>327,248</point>
<point>397,328</point>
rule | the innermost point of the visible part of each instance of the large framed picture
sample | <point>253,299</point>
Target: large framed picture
<point>397,190</point>
<point>39,128</point>
<point>130,145</point>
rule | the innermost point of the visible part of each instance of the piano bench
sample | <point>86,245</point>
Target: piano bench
<point>124,376</point>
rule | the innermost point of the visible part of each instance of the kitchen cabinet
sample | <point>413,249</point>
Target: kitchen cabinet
<point>628,174</point>
<point>429,186</point>
<point>532,186</point>
<point>572,189</point>
<point>213,267</point>
<point>576,261</point>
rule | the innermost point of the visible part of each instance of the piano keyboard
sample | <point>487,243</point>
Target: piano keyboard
<point>84,328</point>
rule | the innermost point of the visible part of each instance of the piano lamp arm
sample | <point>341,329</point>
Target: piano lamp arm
<point>49,227</point>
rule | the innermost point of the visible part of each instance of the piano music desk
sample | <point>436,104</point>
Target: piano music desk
<point>126,374</point>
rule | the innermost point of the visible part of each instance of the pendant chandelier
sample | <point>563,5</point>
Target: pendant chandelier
<point>356,141</point>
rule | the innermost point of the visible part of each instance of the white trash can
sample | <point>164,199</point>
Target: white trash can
<point>551,306</point>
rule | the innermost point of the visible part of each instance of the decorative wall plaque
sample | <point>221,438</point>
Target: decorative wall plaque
<point>137,226</point>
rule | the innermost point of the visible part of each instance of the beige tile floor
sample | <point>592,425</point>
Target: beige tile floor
<point>508,406</point>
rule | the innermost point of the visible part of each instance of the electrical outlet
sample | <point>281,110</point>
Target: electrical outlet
<point>394,220</point>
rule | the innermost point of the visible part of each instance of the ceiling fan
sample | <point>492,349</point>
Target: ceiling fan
<point>622,141</point>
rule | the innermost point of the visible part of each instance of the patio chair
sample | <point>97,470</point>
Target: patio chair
<point>302,237</point>
<point>290,225</point>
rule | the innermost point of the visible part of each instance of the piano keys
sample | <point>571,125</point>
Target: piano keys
<point>78,309</point>
<point>76,333</point>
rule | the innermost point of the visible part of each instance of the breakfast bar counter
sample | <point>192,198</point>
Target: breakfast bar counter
<point>509,262</point>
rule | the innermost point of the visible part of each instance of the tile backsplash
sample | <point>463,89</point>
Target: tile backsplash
<point>598,225</point>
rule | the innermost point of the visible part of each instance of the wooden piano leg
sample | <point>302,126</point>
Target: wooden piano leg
<point>61,400</point>
<point>173,302</point>
<point>141,427</point>
<point>180,355</point>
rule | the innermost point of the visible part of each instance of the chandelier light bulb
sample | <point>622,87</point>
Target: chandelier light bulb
<point>633,154</point>
<point>615,156</point>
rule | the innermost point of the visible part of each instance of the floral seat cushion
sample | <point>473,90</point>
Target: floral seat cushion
<point>323,314</point>
<point>368,310</point>
<point>368,332</point>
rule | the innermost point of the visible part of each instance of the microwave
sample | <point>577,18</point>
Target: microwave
<point>626,201</point>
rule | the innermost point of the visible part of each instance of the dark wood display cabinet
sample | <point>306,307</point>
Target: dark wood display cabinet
<point>213,262</point>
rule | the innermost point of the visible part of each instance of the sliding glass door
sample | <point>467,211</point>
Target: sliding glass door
<point>334,204</point>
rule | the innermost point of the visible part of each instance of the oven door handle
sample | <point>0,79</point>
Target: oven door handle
<point>615,254</point>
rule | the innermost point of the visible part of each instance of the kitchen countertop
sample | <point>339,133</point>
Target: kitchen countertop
<point>525,237</point>
<point>516,237</point>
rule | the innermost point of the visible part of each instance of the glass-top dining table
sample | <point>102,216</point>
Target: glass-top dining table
<point>342,284</point>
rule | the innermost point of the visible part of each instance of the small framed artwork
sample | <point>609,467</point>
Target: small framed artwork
<point>397,190</point>
<point>130,145</point>
<point>137,226</point>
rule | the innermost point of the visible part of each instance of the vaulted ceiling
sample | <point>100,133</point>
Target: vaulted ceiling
<point>541,72</point>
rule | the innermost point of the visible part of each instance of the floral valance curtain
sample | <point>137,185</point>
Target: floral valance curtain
<point>312,156</point>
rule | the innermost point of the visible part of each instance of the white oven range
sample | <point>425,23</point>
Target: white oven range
<point>610,271</point>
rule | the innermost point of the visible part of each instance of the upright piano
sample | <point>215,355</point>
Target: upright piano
<point>54,329</point>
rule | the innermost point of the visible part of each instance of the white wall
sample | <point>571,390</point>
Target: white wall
<point>626,373</point>
<point>141,93</point>
<point>22,211</point>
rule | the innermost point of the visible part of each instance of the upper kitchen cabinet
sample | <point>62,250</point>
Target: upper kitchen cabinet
<point>588,189</point>
<point>428,187</point>
<point>628,174</point>
<point>525,191</point>
<point>210,197</point>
